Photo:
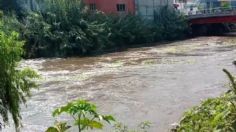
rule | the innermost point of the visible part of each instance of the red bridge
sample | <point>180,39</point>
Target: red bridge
<point>214,20</point>
<point>224,17</point>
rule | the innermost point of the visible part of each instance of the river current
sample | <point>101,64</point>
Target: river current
<point>156,83</point>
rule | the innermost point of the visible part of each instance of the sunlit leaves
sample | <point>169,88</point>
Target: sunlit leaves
<point>15,83</point>
<point>213,115</point>
<point>85,115</point>
<point>59,127</point>
<point>73,108</point>
<point>91,124</point>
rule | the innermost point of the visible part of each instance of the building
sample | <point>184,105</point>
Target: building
<point>146,8</point>
<point>143,8</point>
<point>187,7</point>
<point>112,6</point>
<point>214,4</point>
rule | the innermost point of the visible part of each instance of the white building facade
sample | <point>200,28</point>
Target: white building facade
<point>146,8</point>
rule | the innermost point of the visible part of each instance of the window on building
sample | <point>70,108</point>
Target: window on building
<point>120,7</point>
<point>92,7</point>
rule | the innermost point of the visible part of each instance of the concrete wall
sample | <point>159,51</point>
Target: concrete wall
<point>146,8</point>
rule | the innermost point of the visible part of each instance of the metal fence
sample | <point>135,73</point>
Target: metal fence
<point>218,11</point>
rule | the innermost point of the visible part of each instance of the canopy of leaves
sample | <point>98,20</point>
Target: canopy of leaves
<point>170,23</point>
<point>62,28</point>
<point>15,83</point>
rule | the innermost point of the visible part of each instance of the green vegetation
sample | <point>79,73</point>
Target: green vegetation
<point>15,83</point>
<point>85,117</point>
<point>84,114</point>
<point>217,114</point>
<point>58,28</point>
<point>142,127</point>
<point>169,24</point>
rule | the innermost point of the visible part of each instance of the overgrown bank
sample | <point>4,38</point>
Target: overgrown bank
<point>58,28</point>
<point>213,115</point>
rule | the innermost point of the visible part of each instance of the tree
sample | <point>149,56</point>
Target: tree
<point>15,83</point>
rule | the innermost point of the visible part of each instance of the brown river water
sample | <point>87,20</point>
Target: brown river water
<point>155,84</point>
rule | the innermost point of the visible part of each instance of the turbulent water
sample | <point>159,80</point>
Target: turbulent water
<point>155,84</point>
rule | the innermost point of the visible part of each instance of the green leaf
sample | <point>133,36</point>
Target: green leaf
<point>95,124</point>
<point>62,109</point>
<point>86,123</point>
<point>108,118</point>
<point>59,127</point>
<point>52,129</point>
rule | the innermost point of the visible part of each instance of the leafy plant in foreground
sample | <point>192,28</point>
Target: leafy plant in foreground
<point>217,114</point>
<point>15,83</point>
<point>84,114</point>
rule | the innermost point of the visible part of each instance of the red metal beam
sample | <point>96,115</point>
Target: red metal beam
<point>210,20</point>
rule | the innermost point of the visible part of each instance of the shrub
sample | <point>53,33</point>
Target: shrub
<point>129,30</point>
<point>61,28</point>
<point>85,116</point>
<point>170,24</point>
<point>11,23</point>
<point>15,83</point>
<point>217,114</point>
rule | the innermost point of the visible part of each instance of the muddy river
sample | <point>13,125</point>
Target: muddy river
<point>155,84</point>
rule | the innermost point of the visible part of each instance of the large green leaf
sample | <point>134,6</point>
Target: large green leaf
<point>92,124</point>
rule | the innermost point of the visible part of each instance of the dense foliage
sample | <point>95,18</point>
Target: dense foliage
<point>217,114</point>
<point>85,117</point>
<point>169,24</point>
<point>61,28</point>
<point>15,83</point>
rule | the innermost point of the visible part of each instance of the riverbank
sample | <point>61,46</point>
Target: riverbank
<point>62,29</point>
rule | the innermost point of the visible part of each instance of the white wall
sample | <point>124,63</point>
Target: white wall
<point>146,8</point>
